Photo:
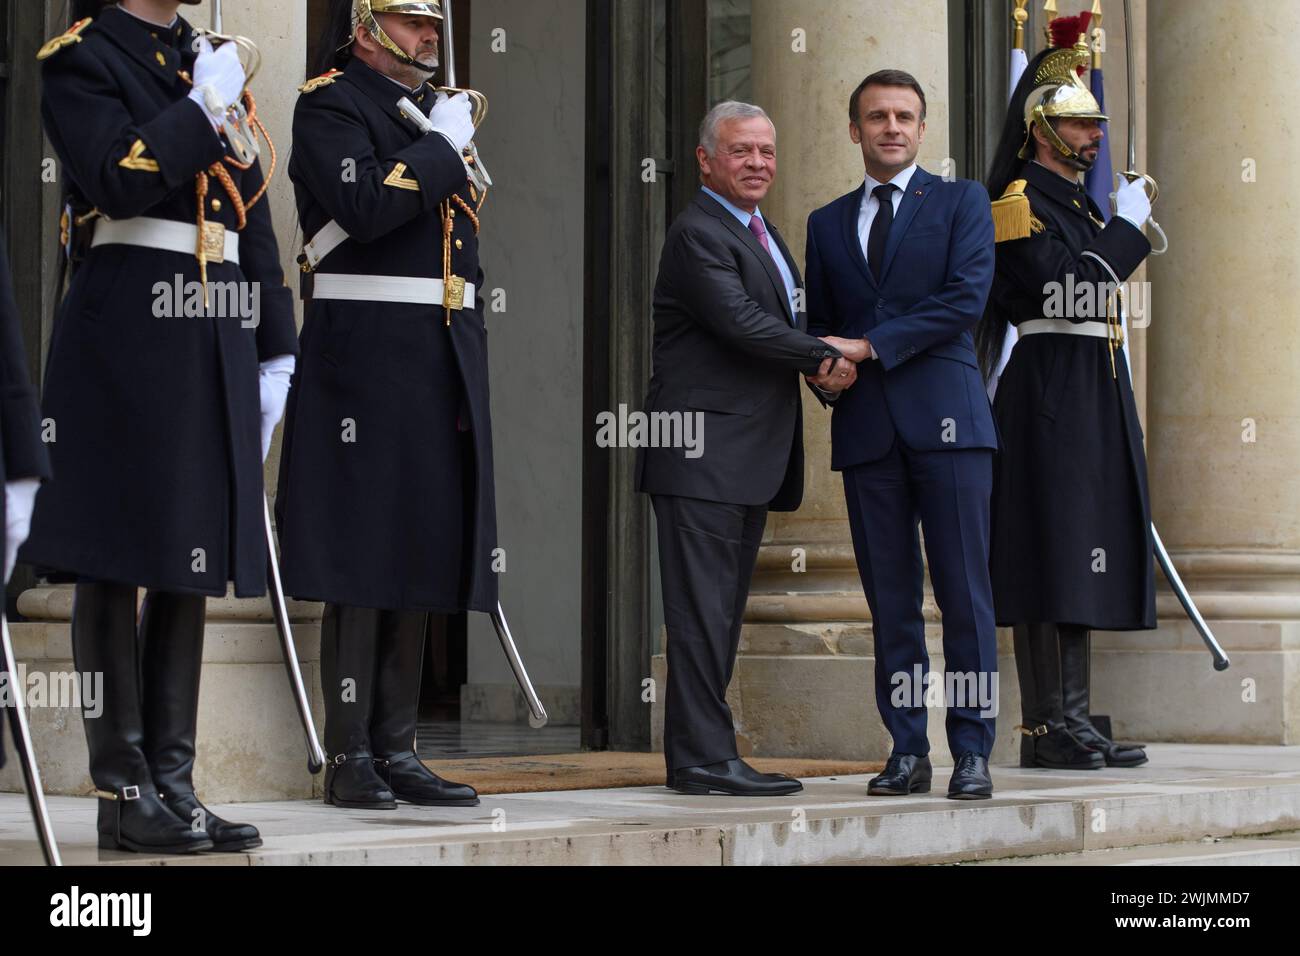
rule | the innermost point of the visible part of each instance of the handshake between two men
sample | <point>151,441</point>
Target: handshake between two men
<point>836,374</point>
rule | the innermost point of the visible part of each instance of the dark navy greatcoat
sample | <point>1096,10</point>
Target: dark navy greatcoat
<point>155,418</point>
<point>1070,484</point>
<point>386,495</point>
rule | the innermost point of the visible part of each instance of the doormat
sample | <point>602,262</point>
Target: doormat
<point>599,770</point>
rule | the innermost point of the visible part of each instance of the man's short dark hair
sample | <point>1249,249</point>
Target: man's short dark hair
<point>886,78</point>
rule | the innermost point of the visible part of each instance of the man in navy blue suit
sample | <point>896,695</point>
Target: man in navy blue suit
<point>898,272</point>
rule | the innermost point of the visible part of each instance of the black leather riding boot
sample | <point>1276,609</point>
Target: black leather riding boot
<point>171,633</point>
<point>132,816</point>
<point>1076,648</point>
<point>1046,741</point>
<point>348,638</point>
<point>392,727</point>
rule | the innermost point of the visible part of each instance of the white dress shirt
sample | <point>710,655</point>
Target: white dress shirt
<point>866,216</point>
<point>871,205</point>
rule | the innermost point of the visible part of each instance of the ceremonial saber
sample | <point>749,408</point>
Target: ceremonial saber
<point>536,712</point>
<point>1221,661</point>
<point>315,755</point>
<point>26,755</point>
<point>449,48</point>
<point>1130,173</point>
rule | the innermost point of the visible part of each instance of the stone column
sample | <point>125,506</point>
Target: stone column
<point>250,741</point>
<point>1224,381</point>
<point>803,682</point>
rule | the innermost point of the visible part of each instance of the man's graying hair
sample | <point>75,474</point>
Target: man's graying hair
<point>722,113</point>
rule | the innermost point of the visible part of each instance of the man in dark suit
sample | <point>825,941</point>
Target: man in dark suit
<point>903,265</point>
<point>728,340</point>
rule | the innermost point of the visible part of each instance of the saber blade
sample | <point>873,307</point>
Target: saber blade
<point>26,755</point>
<point>1132,88</point>
<point>449,46</point>
<point>536,712</point>
<point>315,755</point>
<point>1221,661</point>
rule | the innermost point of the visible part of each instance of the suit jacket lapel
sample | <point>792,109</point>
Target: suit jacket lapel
<point>917,192</point>
<point>709,204</point>
<point>852,241</point>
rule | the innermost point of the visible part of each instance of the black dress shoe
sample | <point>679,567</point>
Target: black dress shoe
<point>226,837</point>
<point>903,774</point>
<point>412,782</point>
<point>970,778</point>
<point>734,778</point>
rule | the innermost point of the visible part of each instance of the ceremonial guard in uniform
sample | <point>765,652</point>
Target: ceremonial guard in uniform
<point>168,369</point>
<point>24,460</point>
<point>1071,542</point>
<point>386,506</point>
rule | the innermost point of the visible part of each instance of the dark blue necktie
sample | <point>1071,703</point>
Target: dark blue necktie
<point>879,234</point>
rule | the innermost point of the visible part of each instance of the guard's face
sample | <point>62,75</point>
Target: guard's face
<point>417,36</point>
<point>744,165</point>
<point>889,127</point>
<point>1081,135</point>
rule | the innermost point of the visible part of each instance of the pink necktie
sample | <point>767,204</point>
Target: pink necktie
<point>756,227</point>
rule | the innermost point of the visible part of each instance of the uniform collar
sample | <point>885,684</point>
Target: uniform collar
<point>385,90</point>
<point>161,50</point>
<point>1069,193</point>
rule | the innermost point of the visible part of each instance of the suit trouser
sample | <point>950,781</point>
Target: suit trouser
<point>948,491</point>
<point>707,551</point>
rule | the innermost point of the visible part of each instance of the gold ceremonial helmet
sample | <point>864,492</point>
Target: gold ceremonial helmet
<point>363,12</point>
<point>1059,91</point>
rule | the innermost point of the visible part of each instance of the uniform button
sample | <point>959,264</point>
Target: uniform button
<point>216,205</point>
<point>162,60</point>
<point>459,244</point>
<point>453,214</point>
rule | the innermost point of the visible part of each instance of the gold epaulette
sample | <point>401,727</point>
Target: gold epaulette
<point>1012,217</point>
<point>325,79</point>
<point>63,40</point>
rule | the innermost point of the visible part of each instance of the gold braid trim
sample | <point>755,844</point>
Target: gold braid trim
<point>473,217</point>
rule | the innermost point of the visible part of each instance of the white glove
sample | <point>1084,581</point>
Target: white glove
<point>218,80</point>
<point>454,119</point>
<point>1132,203</point>
<point>20,496</point>
<point>273,377</point>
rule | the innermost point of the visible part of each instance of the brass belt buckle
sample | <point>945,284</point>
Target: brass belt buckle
<point>214,242</point>
<point>453,293</point>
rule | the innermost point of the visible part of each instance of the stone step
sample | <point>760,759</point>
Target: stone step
<point>1188,793</point>
<point>1279,849</point>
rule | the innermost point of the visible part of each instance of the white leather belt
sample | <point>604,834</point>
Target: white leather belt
<point>1064,326</point>
<point>221,244</point>
<point>410,289</point>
